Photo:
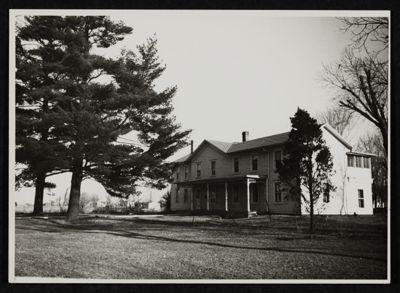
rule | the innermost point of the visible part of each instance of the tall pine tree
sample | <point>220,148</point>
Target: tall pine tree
<point>100,99</point>
<point>38,54</point>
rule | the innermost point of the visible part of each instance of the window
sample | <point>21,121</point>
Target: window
<point>254,193</point>
<point>361,198</point>
<point>213,167</point>
<point>325,196</point>
<point>186,172</point>
<point>235,191</point>
<point>196,203</point>
<point>278,158</point>
<point>358,162</point>
<point>177,196</point>
<point>254,163</point>
<point>236,165</point>
<point>185,195</point>
<point>350,160</point>
<point>278,193</point>
<point>198,169</point>
<point>366,162</point>
<point>213,193</point>
<point>177,174</point>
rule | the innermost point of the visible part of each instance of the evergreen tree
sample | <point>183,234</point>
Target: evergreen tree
<point>37,57</point>
<point>92,113</point>
<point>307,165</point>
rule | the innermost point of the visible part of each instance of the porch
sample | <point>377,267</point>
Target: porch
<point>243,195</point>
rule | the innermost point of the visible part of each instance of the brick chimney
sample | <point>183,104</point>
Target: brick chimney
<point>191,146</point>
<point>245,136</point>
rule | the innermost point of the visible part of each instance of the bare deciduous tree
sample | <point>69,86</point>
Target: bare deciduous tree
<point>362,84</point>
<point>339,118</point>
<point>364,29</point>
<point>371,143</point>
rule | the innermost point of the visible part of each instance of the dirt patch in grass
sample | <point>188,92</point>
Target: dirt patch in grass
<point>176,247</point>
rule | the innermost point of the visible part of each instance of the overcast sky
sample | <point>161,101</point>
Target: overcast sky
<point>239,71</point>
<point>236,70</point>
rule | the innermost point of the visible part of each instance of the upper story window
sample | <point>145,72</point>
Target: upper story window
<point>236,165</point>
<point>185,195</point>
<point>367,162</point>
<point>361,198</point>
<point>254,163</point>
<point>186,172</point>
<point>213,172</point>
<point>177,174</point>
<point>350,161</point>
<point>278,192</point>
<point>278,158</point>
<point>358,161</point>
<point>198,169</point>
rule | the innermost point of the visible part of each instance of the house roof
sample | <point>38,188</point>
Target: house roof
<point>221,145</point>
<point>228,147</point>
<point>182,159</point>
<point>259,142</point>
<point>332,131</point>
<point>266,141</point>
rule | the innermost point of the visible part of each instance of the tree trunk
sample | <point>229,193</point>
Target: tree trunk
<point>311,213</point>
<point>75,192</point>
<point>385,139</point>
<point>310,189</point>
<point>39,191</point>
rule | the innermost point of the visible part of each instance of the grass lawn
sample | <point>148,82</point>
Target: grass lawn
<point>174,247</point>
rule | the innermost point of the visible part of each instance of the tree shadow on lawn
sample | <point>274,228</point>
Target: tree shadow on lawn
<point>110,229</point>
<point>359,231</point>
<point>278,228</point>
<point>59,225</point>
<point>243,229</point>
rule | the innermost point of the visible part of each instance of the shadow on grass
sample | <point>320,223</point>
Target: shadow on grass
<point>346,227</point>
<point>52,226</point>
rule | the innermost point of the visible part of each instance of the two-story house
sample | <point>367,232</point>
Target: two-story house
<point>241,178</point>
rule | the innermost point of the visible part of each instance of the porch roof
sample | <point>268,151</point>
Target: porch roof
<point>223,179</point>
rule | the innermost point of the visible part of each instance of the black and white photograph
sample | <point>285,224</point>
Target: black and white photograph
<point>199,146</point>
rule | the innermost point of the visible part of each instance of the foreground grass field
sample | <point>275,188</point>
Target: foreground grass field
<point>175,247</point>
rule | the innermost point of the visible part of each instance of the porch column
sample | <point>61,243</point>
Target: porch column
<point>226,196</point>
<point>248,194</point>
<point>208,197</point>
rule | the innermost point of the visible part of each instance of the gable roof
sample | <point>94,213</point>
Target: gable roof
<point>336,134</point>
<point>221,145</point>
<point>218,145</point>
